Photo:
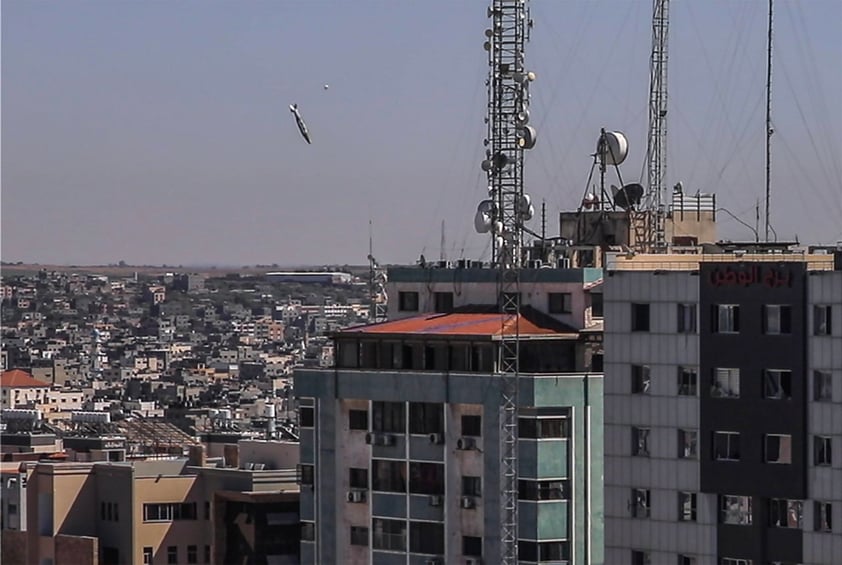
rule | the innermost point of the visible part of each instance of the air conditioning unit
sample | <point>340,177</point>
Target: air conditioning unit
<point>437,438</point>
<point>369,438</point>
<point>436,500</point>
<point>356,496</point>
<point>465,443</point>
<point>468,502</point>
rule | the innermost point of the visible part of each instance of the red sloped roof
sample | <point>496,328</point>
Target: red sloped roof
<point>20,379</point>
<point>466,324</point>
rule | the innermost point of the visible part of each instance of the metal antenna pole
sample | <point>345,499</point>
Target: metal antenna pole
<point>769,130</point>
<point>657,142</point>
<point>504,215</point>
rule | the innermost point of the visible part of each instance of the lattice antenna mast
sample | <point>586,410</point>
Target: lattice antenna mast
<point>503,215</point>
<point>657,143</point>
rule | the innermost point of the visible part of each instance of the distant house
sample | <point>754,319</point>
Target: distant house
<point>21,390</point>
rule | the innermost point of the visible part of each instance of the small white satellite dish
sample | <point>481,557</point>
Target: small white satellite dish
<point>326,86</point>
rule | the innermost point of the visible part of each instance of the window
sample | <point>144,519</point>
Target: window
<point>821,450</point>
<point>777,448</point>
<point>358,420</point>
<point>777,319</point>
<point>389,535</point>
<point>426,418</point>
<point>543,551</point>
<point>822,386</point>
<point>640,503</point>
<point>544,490</point>
<point>192,554</point>
<point>686,318</point>
<point>308,531</point>
<point>172,555</point>
<point>389,417</point>
<point>207,554</point>
<point>687,441</point>
<point>388,476</point>
<point>167,512</point>
<point>426,537</point>
<point>735,510</point>
<point>306,474</point>
<point>687,506</point>
<point>407,301</point>
<point>103,515</point>
<point>640,442</point>
<point>13,508</point>
<point>207,510</point>
<point>472,426</point>
<point>359,536</point>
<point>821,320</point>
<point>543,428</point>
<point>777,384</point>
<point>687,381</point>
<point>735,561</point>
<point>640,557</point>
<point>559,303</point>
<point>443,302</point>
<point>823,520</point>
<point>725,383</point>
<point>147,556</point>
<point>640,379</point>
<point>785,513</point>
<point>471,486</point>
<point>725,318</point>
<point>426,478</point>
<point>726,446</point>
<point>640,317</point>
<point>472,546</point>
<point>687,560</point>
<point>306,416</point>
<point>597,304</point>
<point>358,478</point>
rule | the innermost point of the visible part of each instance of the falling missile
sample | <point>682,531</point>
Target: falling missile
<point>302,127</point>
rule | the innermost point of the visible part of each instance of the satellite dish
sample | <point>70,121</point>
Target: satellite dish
<point>522,117</point>
<point>612,148</point>
<point>527,137</point>
<point>500,161</point>
<point>482,220</point>
<point>326,86</point>
<point>591,200</point>
<point>629,196</point>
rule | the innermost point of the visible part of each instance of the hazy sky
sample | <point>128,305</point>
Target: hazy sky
<point>159,132</point>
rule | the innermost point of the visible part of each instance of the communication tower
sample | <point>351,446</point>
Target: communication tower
<point>652,223</point>
<point>503,215</point>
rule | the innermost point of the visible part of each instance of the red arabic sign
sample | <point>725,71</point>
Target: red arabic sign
<point>770,277</point>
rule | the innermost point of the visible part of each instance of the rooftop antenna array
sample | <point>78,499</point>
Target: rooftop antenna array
<point>769,129</point>
<point>503,215</point>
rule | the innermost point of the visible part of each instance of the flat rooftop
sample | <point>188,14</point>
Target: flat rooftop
<point>490,275</point>
<point>691,261</point>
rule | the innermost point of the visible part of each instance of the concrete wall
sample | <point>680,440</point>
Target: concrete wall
<point>76,550</point>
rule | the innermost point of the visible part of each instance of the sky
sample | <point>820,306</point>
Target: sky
<point>159,132</point>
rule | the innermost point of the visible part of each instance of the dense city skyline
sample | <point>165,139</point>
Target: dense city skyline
<point>160,133</point>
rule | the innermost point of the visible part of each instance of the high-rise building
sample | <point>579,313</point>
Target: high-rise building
<point>400,441</point>
<point>723,408</point>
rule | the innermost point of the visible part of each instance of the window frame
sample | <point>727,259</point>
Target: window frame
<point>640,441</point>
<point>358,536</point>
<point>822,451</point>
<point>781,510</point>
<point>729,455</point>
<point>641,503</point>
<point>687,314</point>
<point>784,449</point>
<point>687,512</point>
<point>822,516</point>
<point>354,419</point>
<point>725,319</point>
<point>688,381</point>
<point>780,379</point>
<point>641,317</point>
<point>471,423</point>
<point>560,302</point>
<point>782,319</point>
<point>722,382</point>
<point>683,444</point>
<point>822,392</point>
<point>741,509</point>
<point>822,325</point>
<point>408,301</point>
<point>641,379</point>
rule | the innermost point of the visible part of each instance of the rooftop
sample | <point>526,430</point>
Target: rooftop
<point>691,261</point>
<point>529,323</point>
<point>20,379</point>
